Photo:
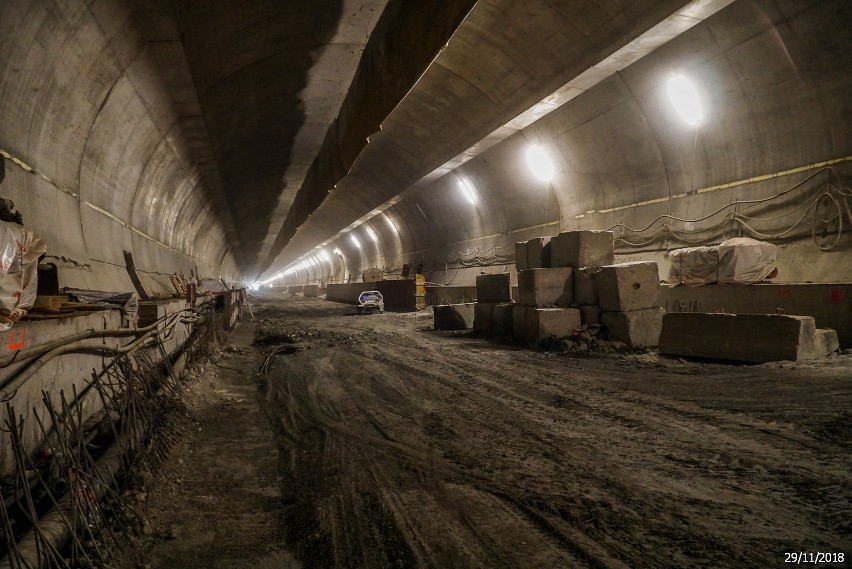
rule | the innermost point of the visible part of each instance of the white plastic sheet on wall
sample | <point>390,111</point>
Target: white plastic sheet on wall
<point>19,253</point>
<point>741,260</point>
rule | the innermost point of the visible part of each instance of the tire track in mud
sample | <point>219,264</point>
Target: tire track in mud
<point>443,452</point>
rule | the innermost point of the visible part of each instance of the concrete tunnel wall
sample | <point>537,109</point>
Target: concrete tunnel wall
<point>99,157</point>
<point>114,120</point>
<point>772,80</point>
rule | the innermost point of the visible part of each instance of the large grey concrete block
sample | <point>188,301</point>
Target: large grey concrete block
<point>634,328</point>
<point>826,342</point>
<point>311,291</point>
<point>519,322</point>
<point>546,287</point>
<point>501,319</point>
<point>582,249</point>
<point>590,314</point>
<point>482,317</point>
<point>754,338</point>
<point>628,286</point>
<point>550,323</point>
<point>585,289</point>
<point>521,263</point>
<point>454,316</point>
<point>493,288</point>
<point>538,253</point>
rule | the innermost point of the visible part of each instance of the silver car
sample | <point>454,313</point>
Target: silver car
<point>371,301</point>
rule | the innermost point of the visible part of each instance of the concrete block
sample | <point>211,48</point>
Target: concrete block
<point>501,319</point>
<point>519,322</point>
<point>753,338</point>
<point>493,288</point>
<point>521,263</point>
<point>454,316</point>
<point>628,286</point>
<point>545,323</point>
<point>634,328</point>
<point>534,253</point>
<point>585,289</point>
<point>538,253</point>
<point>482,317</point>
<point>582,249</point>
<point>826,342</point>
<point>546,287</point>
<point>311,291</point>
<point>590,314</point>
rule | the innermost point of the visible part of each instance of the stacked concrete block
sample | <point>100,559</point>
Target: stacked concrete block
<point>493,288</point>
<point>756,338</point>
<point>635,327</point>
<point>501,319</point>
<point>628,286</point>
<point>582,249</point>
<point>543,324</point>
<point>519,322</point>
<point>586,294</point>
<point>311,291</point>
<point>454,316</point>
<point>826,342</point>
<point>483,317</point>
<point>544,288</point>
<point>590,314</point>
<point>538,253</point>
<point>521,263</point>
<point>628,295</point>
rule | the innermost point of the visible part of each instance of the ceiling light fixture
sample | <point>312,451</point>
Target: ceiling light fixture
<point>467,190</point>
<point>540,163</point>
<point>685,99</point>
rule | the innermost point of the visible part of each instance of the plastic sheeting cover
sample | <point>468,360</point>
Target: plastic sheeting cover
<point>19,253</point>
<point>736,261</point>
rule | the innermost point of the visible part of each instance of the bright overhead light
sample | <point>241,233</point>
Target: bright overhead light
<point>467,190</point>
<point>540,163</point>
<point>372,234</point>
<point>392,224</point>
<point>684,96</point>
<point>355,241</point>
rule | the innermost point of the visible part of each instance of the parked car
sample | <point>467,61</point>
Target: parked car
<point>371,301</point>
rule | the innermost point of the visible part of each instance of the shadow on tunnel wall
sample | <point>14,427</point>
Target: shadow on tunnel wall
<point>249,69</point>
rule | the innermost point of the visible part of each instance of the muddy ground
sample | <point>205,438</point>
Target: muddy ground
<point>375,441</point>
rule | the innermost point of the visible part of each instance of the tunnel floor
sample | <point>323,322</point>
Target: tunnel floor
<point>374,441</point>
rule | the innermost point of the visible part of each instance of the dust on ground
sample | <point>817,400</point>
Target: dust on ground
<point>375,441</point>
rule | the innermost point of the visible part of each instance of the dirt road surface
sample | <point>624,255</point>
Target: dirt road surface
<point>398,446</point>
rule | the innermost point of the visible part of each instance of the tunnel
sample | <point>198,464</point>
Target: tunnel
<point>610,240</point>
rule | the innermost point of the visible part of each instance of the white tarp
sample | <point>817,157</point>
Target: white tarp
<point>741,260</point>
<point>19,253</point>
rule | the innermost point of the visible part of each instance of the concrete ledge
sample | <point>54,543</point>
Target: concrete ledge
<point>829,304</point>
<point>755,338</point>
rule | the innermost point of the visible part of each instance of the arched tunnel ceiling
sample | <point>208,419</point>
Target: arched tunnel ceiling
<point>507,63</point>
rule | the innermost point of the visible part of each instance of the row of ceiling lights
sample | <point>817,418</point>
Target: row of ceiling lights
<point>682,94</point>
